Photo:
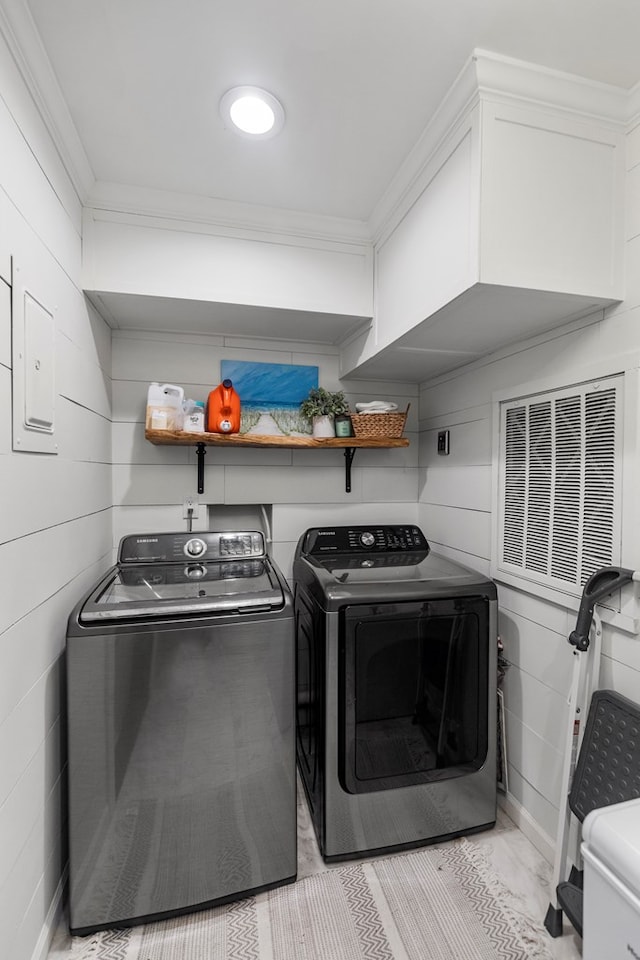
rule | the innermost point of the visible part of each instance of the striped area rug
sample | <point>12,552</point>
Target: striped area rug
<point>440,903</point>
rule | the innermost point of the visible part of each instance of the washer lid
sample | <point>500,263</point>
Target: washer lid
<point>341,580</point>
<point>179,589</point>
<point>419,568</point>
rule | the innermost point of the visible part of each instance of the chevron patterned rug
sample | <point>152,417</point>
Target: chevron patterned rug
<point>440,903</point>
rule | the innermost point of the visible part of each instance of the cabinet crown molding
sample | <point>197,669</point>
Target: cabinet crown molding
<point>540,85</point>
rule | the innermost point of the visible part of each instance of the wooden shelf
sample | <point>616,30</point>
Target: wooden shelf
<point>203,440</point>
<point>172,437</point>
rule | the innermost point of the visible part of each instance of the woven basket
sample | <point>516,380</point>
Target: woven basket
<point>376,426</point>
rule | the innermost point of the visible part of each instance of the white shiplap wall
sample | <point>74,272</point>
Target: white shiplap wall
<point>304,487</point>
<point>456,514</point>
<point>55,518</point>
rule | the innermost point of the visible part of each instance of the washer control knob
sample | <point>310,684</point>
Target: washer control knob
<point>195,571</point>
<point>367,539</point>
<point>195,547</point>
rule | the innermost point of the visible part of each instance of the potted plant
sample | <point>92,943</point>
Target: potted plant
<point>321,406</point>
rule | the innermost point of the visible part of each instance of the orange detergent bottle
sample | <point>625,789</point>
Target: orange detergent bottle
<point>223,409</point>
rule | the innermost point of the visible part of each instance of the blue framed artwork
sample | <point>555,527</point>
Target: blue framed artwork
<point>270,395</point>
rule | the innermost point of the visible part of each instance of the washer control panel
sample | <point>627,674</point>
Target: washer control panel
<point>324,541</point>
<point>175,547</point>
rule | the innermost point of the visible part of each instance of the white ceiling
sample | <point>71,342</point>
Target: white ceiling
<point>359,80</point>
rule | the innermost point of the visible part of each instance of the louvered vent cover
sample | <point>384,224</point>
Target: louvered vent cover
<point>560,483</point>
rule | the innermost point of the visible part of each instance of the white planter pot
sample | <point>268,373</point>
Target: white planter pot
<point>323,427</point>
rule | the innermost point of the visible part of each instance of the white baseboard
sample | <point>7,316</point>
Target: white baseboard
<point>532,830</point>
<point>52,921</point>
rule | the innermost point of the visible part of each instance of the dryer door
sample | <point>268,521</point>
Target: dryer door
<point>414,692</point>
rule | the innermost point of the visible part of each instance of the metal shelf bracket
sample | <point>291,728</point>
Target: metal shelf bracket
<point>201,450</point>
<point>349,454</point>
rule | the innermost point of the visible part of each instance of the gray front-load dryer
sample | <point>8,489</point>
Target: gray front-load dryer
<point>396,690</point>
<point>181,730</point>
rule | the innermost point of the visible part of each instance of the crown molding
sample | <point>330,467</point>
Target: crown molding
<point>24,42</point>
<point>214,215</point>
<point>485,75</point>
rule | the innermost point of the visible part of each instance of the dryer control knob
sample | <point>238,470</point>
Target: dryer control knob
<point>195,547</point>
<point>367,539</point>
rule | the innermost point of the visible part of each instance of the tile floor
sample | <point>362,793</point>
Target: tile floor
<point>515,860</point>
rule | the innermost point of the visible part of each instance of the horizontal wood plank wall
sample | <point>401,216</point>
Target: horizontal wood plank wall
<point>305,487</point>
<point>55,519</point>
<point>455,512</point>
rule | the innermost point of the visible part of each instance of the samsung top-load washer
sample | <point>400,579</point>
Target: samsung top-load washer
<point>396,690</point>
<point>181,730</point>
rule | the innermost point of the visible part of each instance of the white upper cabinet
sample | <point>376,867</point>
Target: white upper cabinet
<point>507,221</point>
<point>166,262</point>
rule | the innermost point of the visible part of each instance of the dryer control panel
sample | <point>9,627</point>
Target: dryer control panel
<point>325,541</point>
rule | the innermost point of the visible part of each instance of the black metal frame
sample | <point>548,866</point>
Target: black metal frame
<point>201,450</point>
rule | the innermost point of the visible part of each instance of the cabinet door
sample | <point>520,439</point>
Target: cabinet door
<point>552,203</point>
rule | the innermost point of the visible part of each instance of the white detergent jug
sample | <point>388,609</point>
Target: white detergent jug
<point>164,407</point>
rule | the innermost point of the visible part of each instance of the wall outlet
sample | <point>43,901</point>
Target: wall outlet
<point>443,443</point>
<point>190,509</point>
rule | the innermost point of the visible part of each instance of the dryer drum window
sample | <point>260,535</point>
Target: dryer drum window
<point>413,692</point>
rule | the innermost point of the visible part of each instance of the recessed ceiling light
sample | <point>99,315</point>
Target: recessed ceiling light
<point>252,112</point>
